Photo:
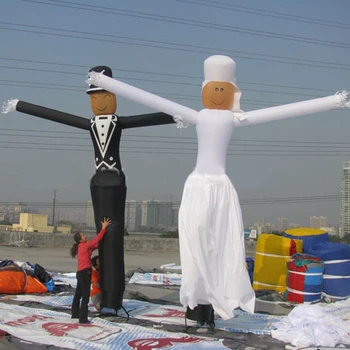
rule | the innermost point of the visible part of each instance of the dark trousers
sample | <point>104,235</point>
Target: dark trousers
<point>108,192</point>
<point>80,310</point>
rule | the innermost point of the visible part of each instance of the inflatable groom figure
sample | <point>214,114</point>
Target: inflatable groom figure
<point>108,189</point>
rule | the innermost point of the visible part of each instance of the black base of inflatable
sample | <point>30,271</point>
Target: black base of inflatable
<point>108,192</point>
<point>202,314</point>
<point>112,298</point>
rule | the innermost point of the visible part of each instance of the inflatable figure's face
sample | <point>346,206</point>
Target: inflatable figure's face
<point>218,95</point>
<point>103,102</point>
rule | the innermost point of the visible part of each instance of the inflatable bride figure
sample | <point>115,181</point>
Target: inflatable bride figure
<point>211,229</point>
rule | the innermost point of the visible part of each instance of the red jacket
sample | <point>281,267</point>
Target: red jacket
<point>85,251</point>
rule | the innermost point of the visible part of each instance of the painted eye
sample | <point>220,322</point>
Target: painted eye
<point>216,89</point>
<point>222,89</point>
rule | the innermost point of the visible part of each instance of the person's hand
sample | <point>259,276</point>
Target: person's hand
<point>106,222</point>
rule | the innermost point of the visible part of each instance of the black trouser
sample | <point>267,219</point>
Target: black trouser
<point>82,292</point>
<point>108,192</point>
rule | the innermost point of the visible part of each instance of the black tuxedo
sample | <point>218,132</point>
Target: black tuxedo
<point>108,189</point>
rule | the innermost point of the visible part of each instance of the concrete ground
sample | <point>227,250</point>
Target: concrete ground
<point>59,259</point>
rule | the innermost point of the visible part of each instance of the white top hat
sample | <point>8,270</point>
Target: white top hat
<point>222,68</point>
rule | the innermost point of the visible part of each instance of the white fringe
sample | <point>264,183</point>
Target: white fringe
<point>180,124</point>
<point>344,98</point>
<point>93,78</point>
<point>9,106</point>
<point>240,116</point>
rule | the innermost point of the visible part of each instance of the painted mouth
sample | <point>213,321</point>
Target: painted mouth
<point>217,104</point>
<point>100,110</point>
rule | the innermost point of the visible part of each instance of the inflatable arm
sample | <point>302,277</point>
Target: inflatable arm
<point>150,119</point>
<point>132,93</point>
<point>339,100</point>
<point>46,113</point>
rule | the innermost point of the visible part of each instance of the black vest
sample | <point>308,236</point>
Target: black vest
<point>105,133</point>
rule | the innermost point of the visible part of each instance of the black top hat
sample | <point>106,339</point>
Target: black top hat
<point>99,69</point>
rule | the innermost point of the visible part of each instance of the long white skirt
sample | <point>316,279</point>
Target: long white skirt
<point>212,247</point>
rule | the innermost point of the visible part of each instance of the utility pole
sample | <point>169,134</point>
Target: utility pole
<point>54,210</point>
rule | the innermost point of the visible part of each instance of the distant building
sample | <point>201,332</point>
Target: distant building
<point>148,213</point>
<point>263,227</point>
<point>294,225</point>
<point>13,212</point>
<point>345,198</point>
<point>132,215</point>
<point>330,230</point>
<point>37,223</point>
<point>89,215</point>
<point>157,214</point>
<point>165,214</point>
<point>318,221</point>
<point>281,224</point>
<point>175,216</point>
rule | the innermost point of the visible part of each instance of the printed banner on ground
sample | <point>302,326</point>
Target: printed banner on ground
<point>162,279</point>
<point>54,328</point>
<point>169,314</point>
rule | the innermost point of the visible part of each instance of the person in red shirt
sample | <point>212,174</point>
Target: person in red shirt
<point>95,293</point>
<point>83,249</point>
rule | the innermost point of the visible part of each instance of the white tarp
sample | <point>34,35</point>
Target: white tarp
<point>309,325</point>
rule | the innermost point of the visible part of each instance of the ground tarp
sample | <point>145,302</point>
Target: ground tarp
<point>51,327</point>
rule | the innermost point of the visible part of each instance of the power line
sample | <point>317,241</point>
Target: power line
<point>168,95</point>
<point>172,151</point>
<point>79,88</point>
<point>248,201</point>
<point>172,96</point>
<point>258,146</point>
<point>261,12</point>
<point>177,47</point>
<point>161,74</point>
<point>163,147</point>
<point>167,138</point>
<point>192,22</point>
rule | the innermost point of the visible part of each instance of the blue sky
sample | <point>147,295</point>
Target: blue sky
<point>286,51</point>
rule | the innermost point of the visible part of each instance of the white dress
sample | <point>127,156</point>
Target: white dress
<point>211,230</point>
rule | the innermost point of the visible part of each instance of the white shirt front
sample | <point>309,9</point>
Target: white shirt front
<point>214,130</point>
